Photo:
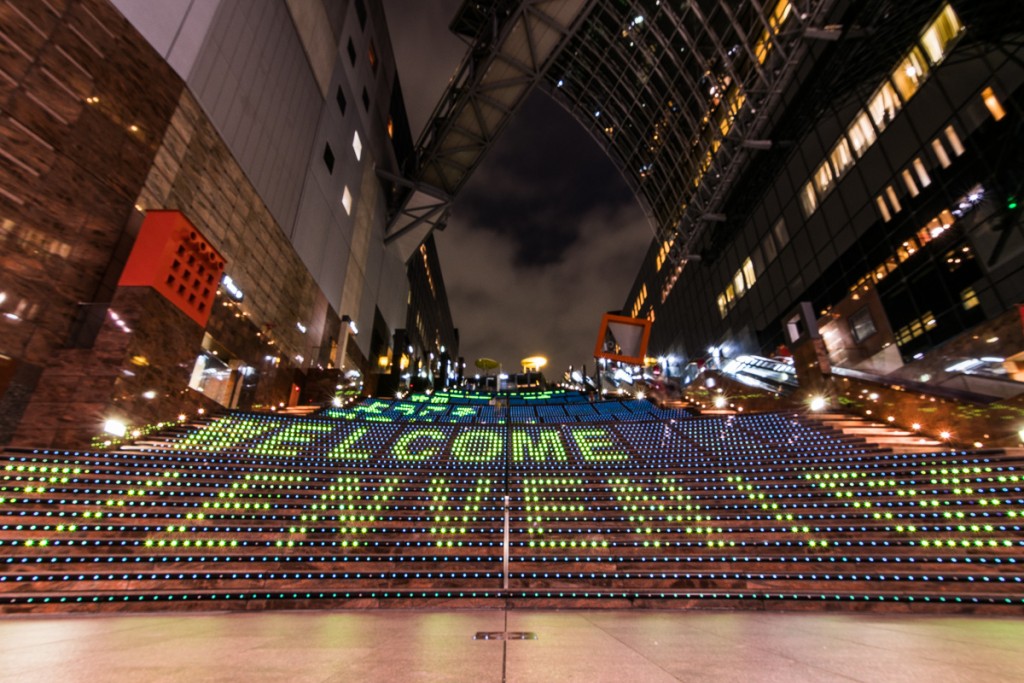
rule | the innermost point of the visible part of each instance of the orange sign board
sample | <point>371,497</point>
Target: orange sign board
<point>623,339</point>
<point>172,257</point>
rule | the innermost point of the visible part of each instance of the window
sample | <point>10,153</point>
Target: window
<point>808,200</point>
<point>940,34</point>
<point>391,127</point>
<point>723,306</point>
<point>906,250</point>
<point>883,105</point>
<point>748,272</point>
<point>366,100</point>
<point>862,134</point>
<point>357,146</point>
<point>775,20</point>
<point>371,55</point>
<point>940,153</point>
<point>910,73</point>
<point>922,173</point>
<point>346,200</point>
<point>759,264</point>
<point>995,107</point>
<point>969,299</point>
<point>915,328</point>
<point>890,192</point>
<point>781,234</point>
<point>351,49</point>
<point>823,178</point>
<point>935,227</point>
<point>738,284</point>
<point>768,247</point>
<point>361,13</point>
<point>862,325</point>
<point>841,157</point>
<point>329,158</point>
<point>954,140</point>
<point>908,180</point>
<point>883,208</point>
<point>342,102</point>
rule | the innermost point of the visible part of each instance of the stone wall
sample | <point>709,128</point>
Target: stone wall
<point>194,173</point>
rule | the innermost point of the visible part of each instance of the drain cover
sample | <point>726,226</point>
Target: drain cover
<point>489,635</point>
<point>500,635</point>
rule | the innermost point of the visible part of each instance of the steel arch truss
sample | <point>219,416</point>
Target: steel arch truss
<point>680,95</point>
<point>512,45</point>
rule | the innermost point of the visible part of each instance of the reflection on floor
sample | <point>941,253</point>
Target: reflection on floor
<point>436,645</point>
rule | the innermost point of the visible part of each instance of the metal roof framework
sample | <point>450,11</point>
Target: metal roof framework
<point>681,95</point>
<point>512,44</point>
<point>678,94</point>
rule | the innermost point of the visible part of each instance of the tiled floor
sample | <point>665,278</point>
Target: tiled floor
<point>635,646</point>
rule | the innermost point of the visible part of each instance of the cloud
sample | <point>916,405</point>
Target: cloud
<point>545,237</point>
<point>509,311</point>
<point>541,176</point>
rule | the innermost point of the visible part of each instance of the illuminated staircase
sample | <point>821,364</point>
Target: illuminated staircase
<point>878,433</point>
<point>756,511</point>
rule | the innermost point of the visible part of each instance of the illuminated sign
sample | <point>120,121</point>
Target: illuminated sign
<point>232,288</point>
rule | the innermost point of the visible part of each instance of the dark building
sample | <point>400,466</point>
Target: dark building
<point>879,177</point>
<point>429,330</point>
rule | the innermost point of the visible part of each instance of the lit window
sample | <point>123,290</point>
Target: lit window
<point>862,134</point>
<point>940,34</point>
<point>995,107</point>
<point>808,200</point>
<point>915,328</point>
<point>748,272</point>
<point>908,180</point>
<point>723,306</point>
<point>738,284</point>
<point>883,208</point>
<point>940,153</point>
<point>969,299</point>
<point>906,250</point>
<point>841,157</point>
<point>922,173</point>
<point>730,294</point>
<point>909,74</point>
<point>346,200</point>
<point>883,105</point>
<point>954,140</point>
<point>357,146</point>
<point>823,178</point>
<point>391,127</point>
<point>890,192</point>
<point>775,20</point>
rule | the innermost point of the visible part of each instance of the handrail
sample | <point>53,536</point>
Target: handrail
<point>922,387</point>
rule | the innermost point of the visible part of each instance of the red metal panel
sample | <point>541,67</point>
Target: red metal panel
<point>639,358</point>
<point>171,256</point>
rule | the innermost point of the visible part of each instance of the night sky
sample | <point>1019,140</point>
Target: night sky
<point>545,237</point>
